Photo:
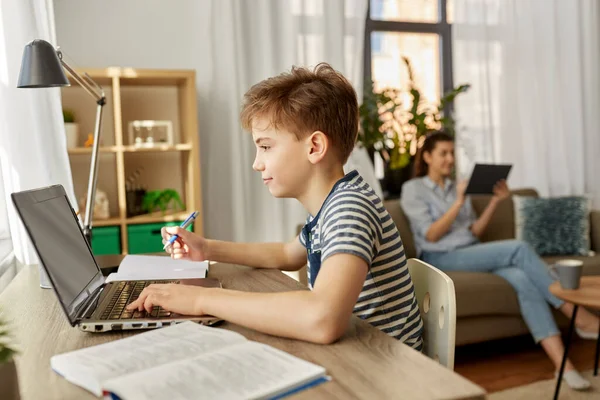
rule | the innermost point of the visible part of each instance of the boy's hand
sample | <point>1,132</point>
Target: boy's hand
<point>188,245</point>
<point>181,299</point>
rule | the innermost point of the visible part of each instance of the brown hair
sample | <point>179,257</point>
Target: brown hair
<point>431,139</point>
<point>304,101</point>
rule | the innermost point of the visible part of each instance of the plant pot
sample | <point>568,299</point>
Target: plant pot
<point>9,382</point>
<point>72,133</point>
<point>393,179</point>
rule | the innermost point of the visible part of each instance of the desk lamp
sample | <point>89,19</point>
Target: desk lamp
<point>42,67</point>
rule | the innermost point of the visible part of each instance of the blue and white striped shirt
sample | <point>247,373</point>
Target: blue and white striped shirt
<point>353,220</point>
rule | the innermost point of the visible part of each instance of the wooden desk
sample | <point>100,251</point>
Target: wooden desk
<point>364,364</point>
<point>588,295</point>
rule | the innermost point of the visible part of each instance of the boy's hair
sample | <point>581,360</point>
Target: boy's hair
<point>304,101</point>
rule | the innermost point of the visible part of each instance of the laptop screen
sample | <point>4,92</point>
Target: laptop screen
<point>60,244</point>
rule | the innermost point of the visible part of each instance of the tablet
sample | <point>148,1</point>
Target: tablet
<point>485,176</point>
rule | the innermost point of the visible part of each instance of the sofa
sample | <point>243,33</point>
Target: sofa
<point>486,305</point>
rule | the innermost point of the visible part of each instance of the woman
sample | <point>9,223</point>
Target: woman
<point>446,233</point>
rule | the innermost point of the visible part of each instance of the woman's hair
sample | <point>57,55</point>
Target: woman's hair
<point>431,139</point>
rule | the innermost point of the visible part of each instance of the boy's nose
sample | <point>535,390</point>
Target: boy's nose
<point>257,165</point>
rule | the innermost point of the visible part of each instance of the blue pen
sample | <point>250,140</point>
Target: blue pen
<point>184,225</point>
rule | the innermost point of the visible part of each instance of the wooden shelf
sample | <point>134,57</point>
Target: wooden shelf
<point>88,150</point>
<point>157,148</point>
<point>137,94</point>
<point>106,222</point>
<point>158,217</point>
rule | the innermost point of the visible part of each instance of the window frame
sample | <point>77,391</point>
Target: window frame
<point>442,28</point>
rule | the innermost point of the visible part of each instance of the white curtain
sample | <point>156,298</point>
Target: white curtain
<point>32,141</point>
<point>250,41</point>
<point>534,68</point>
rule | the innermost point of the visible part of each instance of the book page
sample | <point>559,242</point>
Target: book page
<point>248,370</point>
<point>136,267</point>
<point>91,366</point>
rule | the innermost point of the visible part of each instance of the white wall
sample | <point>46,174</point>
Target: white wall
<point>155,34</point>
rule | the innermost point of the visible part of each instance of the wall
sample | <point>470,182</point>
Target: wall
<point>154,34</point>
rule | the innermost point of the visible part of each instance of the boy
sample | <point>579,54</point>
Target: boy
<point>304,125</point>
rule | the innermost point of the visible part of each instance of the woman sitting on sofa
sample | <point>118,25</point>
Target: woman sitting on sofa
<point>446,233</point>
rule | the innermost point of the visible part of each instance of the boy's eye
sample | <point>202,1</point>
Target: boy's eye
<point>265,148</point>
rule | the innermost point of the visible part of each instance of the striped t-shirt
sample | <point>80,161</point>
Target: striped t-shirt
<point>353,220</point>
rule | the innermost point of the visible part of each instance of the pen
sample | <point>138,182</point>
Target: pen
<point>184,225</point>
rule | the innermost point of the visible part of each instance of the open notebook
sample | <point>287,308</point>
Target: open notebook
<point>135,268</point>
<point>187,361</point>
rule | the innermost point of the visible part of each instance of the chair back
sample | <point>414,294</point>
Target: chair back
<point>437,302</point>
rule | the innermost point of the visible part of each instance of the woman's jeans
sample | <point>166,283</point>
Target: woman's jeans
<point>517,262</point>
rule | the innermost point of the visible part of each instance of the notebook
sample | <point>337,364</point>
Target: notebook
<point>187,361</point>
<point>136,268</point>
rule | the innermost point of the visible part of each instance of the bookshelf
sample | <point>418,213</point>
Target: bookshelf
<point>138,94</point>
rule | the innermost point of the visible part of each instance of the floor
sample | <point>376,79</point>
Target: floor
<point>507,363</point>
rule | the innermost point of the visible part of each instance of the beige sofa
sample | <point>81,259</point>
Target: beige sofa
<point>486,305</point>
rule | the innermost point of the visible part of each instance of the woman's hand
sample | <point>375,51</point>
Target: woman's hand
<point>501,191</point>
<point>460,191</point>
<point>181,299</point>
<point>188,245</point>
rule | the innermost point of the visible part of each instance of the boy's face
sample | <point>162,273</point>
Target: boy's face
<point>281,160</point>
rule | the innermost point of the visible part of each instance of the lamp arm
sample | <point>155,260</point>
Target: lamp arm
<point>94,90</point>
<point>88,84</point>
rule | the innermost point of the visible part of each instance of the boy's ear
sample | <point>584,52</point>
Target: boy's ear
<point>317,146</point>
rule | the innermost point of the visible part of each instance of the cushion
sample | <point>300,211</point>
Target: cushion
<point>554,226</point>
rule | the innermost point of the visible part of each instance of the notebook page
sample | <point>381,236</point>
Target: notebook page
<point>247,370</point>
<point>139,267</point>
<point>92,366</point>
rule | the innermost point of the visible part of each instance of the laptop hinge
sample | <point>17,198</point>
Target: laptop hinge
<point>90,305</point>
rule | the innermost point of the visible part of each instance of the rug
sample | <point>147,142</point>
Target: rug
<point>545,390</point>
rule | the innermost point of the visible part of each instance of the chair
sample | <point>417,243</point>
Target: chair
<point>437,303</point>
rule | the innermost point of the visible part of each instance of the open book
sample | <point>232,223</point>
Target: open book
<point>187,361</point>
<point>134,267</point>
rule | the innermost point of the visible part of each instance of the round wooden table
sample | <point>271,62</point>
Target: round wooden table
<point>588,295</point>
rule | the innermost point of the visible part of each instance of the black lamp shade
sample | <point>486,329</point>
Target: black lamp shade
<point>41,67</point>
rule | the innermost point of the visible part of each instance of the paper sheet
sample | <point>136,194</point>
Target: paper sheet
<point>137,267</point>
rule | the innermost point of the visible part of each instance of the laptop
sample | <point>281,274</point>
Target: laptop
<point>88,302</point>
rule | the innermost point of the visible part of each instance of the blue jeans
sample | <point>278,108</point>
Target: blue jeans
<point>517,262</point>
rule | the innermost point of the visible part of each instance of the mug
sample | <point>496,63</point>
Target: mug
<point>568,273</point>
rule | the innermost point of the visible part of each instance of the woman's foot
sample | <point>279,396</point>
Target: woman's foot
<point>575,380</point>
<point>587,334</point>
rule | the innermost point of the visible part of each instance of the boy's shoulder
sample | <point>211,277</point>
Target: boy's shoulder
<point>354,193</point>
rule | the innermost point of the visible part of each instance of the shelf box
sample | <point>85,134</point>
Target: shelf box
<point>146,238</point>
<point>106,240</point>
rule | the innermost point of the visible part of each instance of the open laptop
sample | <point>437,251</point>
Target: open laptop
<point>89,302</point>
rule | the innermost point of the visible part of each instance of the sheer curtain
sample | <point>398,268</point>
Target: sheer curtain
<point>251,41</point>
<point>33,150</point>
<point>534,66</point>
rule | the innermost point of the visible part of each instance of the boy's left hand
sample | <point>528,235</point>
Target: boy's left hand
<point>181,299</point>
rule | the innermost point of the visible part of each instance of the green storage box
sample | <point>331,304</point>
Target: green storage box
<point>145,238</point>
<point>106,240</point>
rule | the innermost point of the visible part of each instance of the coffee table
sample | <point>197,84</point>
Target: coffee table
<point>588,295</point>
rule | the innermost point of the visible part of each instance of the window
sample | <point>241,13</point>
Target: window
<point>417,29</point>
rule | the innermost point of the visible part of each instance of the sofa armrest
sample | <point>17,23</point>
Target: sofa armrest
<point>595,230</point>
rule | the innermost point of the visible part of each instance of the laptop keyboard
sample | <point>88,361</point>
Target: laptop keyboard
<point>126,293</point>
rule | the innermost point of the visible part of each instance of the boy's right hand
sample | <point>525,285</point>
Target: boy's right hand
<point>188,245</point>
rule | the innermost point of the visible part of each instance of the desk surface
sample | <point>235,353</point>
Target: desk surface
<point>365,363</point>
<point>587,295</point>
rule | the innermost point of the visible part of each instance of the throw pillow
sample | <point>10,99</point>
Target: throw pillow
<point>554,226</point>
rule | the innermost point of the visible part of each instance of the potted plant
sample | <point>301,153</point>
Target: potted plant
<point>396,132</point>
<point>71,128</point>
<point>9,383</point>
<point>162,200</point>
